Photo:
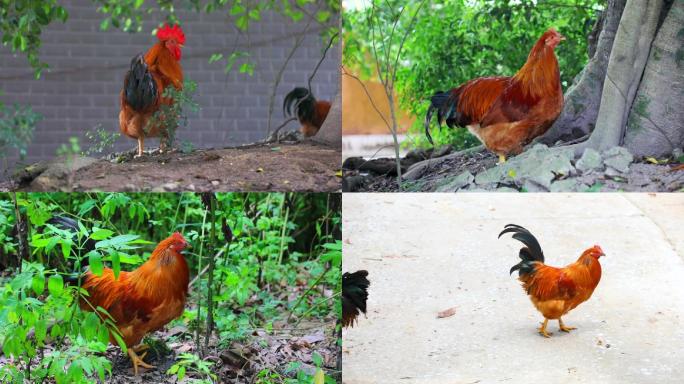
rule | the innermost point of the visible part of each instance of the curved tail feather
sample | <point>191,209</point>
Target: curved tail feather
<point>300,102</point>
<point>529,255</point>
<point>354,295</point>
<point>140,89</point>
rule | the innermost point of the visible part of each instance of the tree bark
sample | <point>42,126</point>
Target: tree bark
<point>655,126</point>
<point>626,66</point>
<point>331,130</point>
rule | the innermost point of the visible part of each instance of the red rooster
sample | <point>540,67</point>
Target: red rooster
<point>145,83</point>
<point>506,113</point>
<point>145,299</point>
<point>311,113</point>
<point>554,291</point>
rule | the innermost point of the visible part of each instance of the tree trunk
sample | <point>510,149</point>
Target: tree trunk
<point>656,122</point>
<point>331,130</point>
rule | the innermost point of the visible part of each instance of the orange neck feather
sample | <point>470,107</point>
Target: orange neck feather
<point>540,75</point>
<point>165,273</point>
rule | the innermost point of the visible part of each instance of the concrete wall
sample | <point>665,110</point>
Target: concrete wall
<point>87,67</point>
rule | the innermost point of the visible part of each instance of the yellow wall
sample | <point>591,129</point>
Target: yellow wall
<point>358,115</point>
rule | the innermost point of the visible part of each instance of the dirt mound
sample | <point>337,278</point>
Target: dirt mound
<point>273,167</point>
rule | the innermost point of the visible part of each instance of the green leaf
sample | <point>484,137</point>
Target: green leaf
<point>181,373</point>
<point>116,263</point>
<point>101,234</point>
<point>116,241</point>
<point>95,263</point>
<point>215,57</point>
<point>55,285</point>
<point>38,284</point>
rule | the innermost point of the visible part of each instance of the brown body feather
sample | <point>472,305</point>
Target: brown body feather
<point>556,291</point>
<point>321,109</point>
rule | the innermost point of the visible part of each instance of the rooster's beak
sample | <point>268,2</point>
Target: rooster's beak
<point>562,37</point>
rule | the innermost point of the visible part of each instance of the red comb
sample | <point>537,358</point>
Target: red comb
<point>169,33</point>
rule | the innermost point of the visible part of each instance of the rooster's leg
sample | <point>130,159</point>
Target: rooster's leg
<point>138,360</point>
<point>141,348</point>
<point>141,142</point>
<point>542,329</point>
<point>502,159</point>
<point>562,326</point>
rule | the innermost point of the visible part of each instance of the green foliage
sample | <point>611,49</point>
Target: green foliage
<point>28,324</point>
<point>175,115</point>
<point>454,41</point>
<point>22,22</point>
<point>100,140</point>
<point>191,362</point>
<point>276,254</point>
<point>16,128</point>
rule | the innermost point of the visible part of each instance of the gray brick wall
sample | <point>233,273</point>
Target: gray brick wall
<point>87,67</point>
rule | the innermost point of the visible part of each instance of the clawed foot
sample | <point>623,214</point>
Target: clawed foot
<point>563,327</point>
<point>138,360</point>
<point>502,160</point>
<point>544,332</point>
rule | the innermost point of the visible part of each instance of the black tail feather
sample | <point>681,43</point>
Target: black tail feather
<point>354,295</point>
<point>529,255</point>
<point>140,89</point>
<point>445,104</point>
<point>300,102</point>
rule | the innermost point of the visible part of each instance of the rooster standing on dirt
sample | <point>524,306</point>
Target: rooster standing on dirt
<point>145,83</point>
<point>554,291</point>
<point>506,113</point>
<point>144,300</point>
<point>354,295</point>
<point>310,112</point>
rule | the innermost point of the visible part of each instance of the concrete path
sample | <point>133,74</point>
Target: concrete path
<point>426,253</point>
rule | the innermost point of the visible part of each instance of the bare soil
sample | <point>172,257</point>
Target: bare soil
<point>273,167</point>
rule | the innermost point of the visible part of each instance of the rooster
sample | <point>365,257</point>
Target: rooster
<point>145,299</point>
<point>144,84</point>
<point>554,291</point>
<point>310,112</point>
<point>506,113</point>
<point>354,295</point>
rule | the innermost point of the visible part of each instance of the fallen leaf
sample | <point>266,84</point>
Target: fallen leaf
<point>652,160</point>
<point>447,313</point>
<point>259,169</point>
<point>275,149</point>
<point>319,377</point>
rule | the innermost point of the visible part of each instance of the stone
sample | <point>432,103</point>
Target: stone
<point>590,160</point>
<point>532,186</point>
<point>56,176</point>
<point>565,185</point>
<point>455,183</point>
<point>618,158</point>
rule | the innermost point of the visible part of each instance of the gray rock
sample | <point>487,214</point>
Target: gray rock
<point>492,175</point>
<point>566,185</point>
<point>590,160</point>
<point>507,189</point>
<point>618,158</point>
<point>55,177</point>
<point>532,186</point>
<point>453,184</point>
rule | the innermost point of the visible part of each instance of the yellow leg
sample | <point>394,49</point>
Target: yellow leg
<point>141,142</point>
<point>138,360</point>
<point>502,159</point>
<point>563,327</point>
<point>542,329</point>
